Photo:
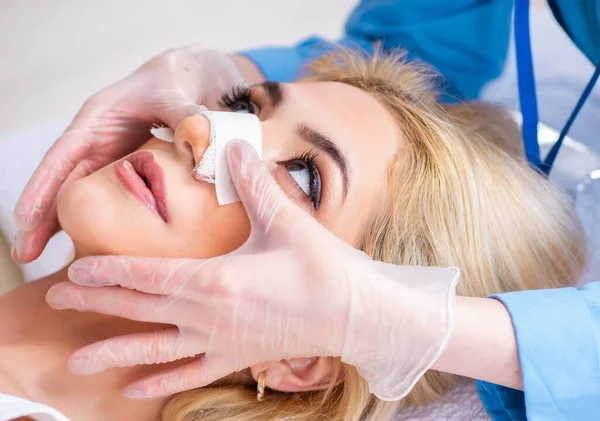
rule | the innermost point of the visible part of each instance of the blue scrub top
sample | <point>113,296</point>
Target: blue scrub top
<point>558,331</point>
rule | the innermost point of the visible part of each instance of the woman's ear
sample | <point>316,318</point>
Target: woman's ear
<point>301,374</point>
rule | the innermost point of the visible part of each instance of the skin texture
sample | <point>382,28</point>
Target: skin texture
<point>102,217</point>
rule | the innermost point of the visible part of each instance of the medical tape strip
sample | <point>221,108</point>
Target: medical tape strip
<point>224,128</point>
<point>166,134</point>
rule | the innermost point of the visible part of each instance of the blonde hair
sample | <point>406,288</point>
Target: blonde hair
<point>459,194</point>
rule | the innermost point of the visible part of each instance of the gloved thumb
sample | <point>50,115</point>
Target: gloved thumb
<point>265,203</point>
<point>170,106</point>
<point>173,114</point>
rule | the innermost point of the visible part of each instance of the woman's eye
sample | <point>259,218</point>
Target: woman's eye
<point>243,107</point>
<point>239,100</point>
<point>301,176</point>
<point>306,175</point>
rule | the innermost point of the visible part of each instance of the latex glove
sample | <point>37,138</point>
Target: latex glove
<point>113,123</point>
<point>292,290</point>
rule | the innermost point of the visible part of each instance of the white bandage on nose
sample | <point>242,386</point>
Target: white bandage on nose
<point>224,127</point>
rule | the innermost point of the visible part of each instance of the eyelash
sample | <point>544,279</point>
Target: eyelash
<point>242,94</point>
<point>239,94</point>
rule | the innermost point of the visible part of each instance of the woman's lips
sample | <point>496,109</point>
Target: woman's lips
<point>144,178</point>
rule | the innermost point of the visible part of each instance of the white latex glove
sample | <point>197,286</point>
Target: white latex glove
<point>113,123</point>
<point>292,290</point>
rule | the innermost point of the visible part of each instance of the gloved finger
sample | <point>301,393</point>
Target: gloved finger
<point>145,274</point>
<point>61,159</point>
<point>33,243</point>
<point>171,106</point>
<point>260,194</point>
<point>112,301</point>
<point>198,373</point>
<point>160,346</point>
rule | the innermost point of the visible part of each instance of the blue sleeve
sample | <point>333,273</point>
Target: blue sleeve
<point>581,21</point>
<point>284,64</point>
<point>558,338</point>
<point>465,40</point>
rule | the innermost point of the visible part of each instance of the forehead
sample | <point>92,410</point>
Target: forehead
<point>361,127</point>
<point>353,118</point>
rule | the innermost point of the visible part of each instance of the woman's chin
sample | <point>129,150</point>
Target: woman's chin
<point>101,218</point>
<point>83,215</point>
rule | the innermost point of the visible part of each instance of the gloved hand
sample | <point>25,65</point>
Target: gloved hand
<point>292,290</point>
<point>113,123</point>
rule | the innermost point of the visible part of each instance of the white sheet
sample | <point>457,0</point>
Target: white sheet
<point>461,404</point>
<point>12,408</point>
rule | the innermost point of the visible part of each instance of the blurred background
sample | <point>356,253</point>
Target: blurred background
<point>56,53</point>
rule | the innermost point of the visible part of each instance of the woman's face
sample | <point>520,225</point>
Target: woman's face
<point>327,144</point>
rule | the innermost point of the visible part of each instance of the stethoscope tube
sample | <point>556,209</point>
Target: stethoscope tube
<point>528,97</point>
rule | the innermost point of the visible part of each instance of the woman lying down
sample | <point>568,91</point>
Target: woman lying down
<point>389,171</point>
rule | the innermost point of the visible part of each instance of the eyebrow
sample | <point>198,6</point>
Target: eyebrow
<point>325,144</point>
<point>273,91</point>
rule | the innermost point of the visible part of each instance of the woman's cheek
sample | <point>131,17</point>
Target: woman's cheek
<point>97,216</point>
<point>203,229</point>
<point>230,228</point>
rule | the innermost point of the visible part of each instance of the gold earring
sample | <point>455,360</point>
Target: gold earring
<point>261,386</point>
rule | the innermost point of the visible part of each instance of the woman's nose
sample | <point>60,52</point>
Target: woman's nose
<point>192,137</point>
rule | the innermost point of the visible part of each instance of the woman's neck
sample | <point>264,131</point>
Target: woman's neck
<point>35,345</point>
